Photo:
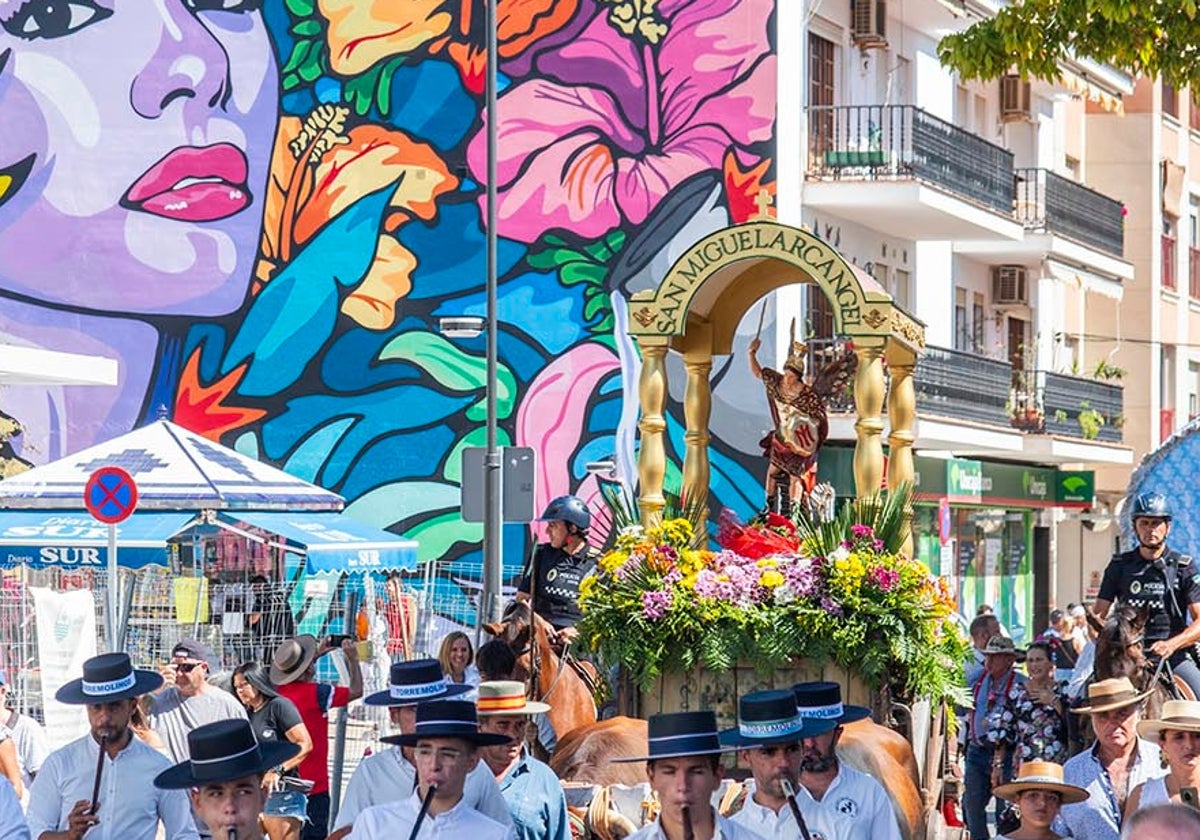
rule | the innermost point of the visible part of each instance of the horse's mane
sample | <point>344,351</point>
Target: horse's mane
<point>1119,646</point>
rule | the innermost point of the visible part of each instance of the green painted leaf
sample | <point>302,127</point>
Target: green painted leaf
<point>383,90</point>
<point>451,367</point>
<point>437,535</point>
<point>594,305</point>
<point>582,272</point>
<point>301,8</point>
<point>299,54</point>
<point>307,27</point>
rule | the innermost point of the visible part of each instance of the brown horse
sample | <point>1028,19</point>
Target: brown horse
<point>556,680</point>
<point>585,755</point>
<point>1120,653</point>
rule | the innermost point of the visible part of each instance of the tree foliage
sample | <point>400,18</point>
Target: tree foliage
<point>1145,37</point>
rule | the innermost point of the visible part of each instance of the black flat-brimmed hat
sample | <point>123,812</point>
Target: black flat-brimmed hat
<point>767,718</point>
<point>680,734</point>
<point>417,681</point>
<point>448,719</point>
<point>224,751</point>
<point>823,701</point>
<point>292,658</point>
<point>106,678</point>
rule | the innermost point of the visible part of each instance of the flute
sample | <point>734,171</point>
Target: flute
<point>790,793</point>
<point>688,832</point>
<point>99,772</point>
<point>231,833</point>
<point>424,810</point>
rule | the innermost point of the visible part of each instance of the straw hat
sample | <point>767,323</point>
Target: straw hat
<point>1178,715</point>
<point>505,697</point>
<point>1041,775</point>
<point>1002,645</point>
<point>1106,695</point>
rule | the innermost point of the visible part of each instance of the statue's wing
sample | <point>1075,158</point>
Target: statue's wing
<point>833,376</point>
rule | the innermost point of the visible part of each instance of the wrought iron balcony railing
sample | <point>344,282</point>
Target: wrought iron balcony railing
<point>1049,202</point>
<point>903,142</point>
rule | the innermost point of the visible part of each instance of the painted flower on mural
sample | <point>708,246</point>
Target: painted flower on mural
<point>629,110</point>
<point>320,169</point>
<point>362,34</point>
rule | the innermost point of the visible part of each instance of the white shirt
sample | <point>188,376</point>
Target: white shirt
<point>387,777</point>
<point>32,747</point>
<point>396,820</point>
<point>130,805</point>
<point>725,830</point>
<point>12,820</point>
<point>762,820</point>
<point>855,807</point>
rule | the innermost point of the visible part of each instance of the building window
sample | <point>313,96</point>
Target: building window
<point>961,327</point>
<point>1170,100</point>
<point>821,71</point>
<point>977,325</point>
<point>1193,389</point>
<point>1166,384</point>
<point>902,293</point>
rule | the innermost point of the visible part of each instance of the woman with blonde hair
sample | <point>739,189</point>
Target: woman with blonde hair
<point>458,661</point>
<point>1177,733</point>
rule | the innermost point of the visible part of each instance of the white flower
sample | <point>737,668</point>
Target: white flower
<point>839,553</point>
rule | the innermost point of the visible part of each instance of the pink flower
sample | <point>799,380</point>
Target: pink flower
<point>617,121</point>
<point>656,603</point>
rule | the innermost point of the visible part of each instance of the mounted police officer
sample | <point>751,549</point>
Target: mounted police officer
<point>560,565</point>
<point>1161,581</point>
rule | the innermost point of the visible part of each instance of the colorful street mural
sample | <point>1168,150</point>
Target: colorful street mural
<point>262,207</point>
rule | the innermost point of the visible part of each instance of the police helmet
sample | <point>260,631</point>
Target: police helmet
<point>569,509</point>
<point>1151,505</point>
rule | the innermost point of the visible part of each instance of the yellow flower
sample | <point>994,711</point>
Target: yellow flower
<point>771,579</point>
<point>767,563</point>
<point>586,586</point>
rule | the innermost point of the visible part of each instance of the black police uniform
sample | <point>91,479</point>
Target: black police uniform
<point>1132,580</point>
<point>559,574</point>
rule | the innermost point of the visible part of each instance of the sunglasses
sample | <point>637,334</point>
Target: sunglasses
<point>186,667</point>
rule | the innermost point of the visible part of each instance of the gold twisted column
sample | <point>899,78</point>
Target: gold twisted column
<point>868,403</point>
<point>652,457</point>
<point>902,415</point>
<point>697,409</point>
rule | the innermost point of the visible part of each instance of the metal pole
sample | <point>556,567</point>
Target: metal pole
<point>110,624</point>
<point>350,628</point>
<point>492,525</point>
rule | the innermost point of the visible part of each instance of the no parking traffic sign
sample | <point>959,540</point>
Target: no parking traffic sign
<point>110,495</point>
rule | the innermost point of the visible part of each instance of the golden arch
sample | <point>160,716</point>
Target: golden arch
<point>696,310</point>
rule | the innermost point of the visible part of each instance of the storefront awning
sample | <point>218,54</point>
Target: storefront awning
<point>74,539</point>
<point>331,542</point>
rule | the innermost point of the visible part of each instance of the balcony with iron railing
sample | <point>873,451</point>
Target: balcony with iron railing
<point>1051,203</point>
<point>903,142</point>
<point>1077,407</point>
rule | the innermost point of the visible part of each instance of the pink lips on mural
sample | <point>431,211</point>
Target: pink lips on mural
<point>193,184</point>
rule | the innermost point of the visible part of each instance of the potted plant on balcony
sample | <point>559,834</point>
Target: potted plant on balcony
<point>1090,421</point>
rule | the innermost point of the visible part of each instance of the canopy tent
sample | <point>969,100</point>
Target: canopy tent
<point>73,539</point>
<point>331,542</point>
<point>174,470</point>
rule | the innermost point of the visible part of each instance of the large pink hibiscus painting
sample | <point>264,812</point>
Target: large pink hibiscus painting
<point>646,96</point>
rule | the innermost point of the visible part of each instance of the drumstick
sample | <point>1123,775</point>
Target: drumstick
<point>790,793</point>
<point>424,809</point>
<point>99,771</point>
<point>688,832</point>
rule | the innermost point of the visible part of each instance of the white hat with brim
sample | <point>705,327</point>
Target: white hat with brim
<point>1177,716</point>
<point>1106,695</point>
<point>506,697</point>
<point>1041,775</point>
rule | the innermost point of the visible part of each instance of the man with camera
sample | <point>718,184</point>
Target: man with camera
<point>293,671</point>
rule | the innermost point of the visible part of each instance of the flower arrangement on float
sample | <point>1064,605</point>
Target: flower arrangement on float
<point>659,604</point>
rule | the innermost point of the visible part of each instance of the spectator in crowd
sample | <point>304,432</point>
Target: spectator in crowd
<point>769,735</point>
<point>1163,822</point>
<point>1177,733</point>
<point>293,671</point>
<point>983,628</point>
<point>10,763</point>
<point>28,735</point>
<point>683,765</point>
<point>989,760</point>
<point>140,725</point>
<point>272,718</point>
<point>530,788</point>
<point>1116,764</point>
<point>270,620</point>
<point>60,800</point>
<point>191,701</point>
<point>227,790</point>
<point>1080,632</point>
<point>12,819</point>
<point>1039,792</point>
<point>445,743</point>
<point>1040,711</point>
<point>1057,637</point>
<point>496,661</point>
<point>826,783</point>
<point>390,775</point>
<point>458,662</point>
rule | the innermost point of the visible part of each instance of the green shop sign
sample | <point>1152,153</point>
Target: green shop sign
<point>964,480</point>
<point>1076,487</point>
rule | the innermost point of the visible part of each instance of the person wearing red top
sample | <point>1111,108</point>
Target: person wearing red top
<point>293,668</point>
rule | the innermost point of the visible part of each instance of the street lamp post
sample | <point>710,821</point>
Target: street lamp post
<point>492,523</point>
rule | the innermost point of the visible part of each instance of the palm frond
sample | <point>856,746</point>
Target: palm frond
<point>883,513</point>
<point>624,512</point>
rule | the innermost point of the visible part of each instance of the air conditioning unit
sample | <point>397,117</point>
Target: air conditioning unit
<point>1015,98</point>
<point>1010,285</point>
<point>868,23</point>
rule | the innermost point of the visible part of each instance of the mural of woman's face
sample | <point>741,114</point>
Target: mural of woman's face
<point>135,137</point>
